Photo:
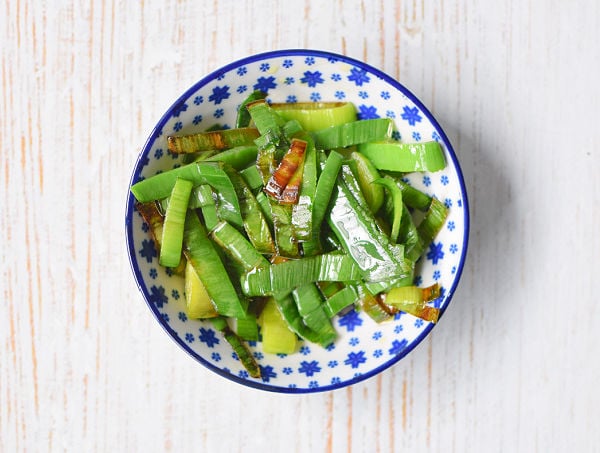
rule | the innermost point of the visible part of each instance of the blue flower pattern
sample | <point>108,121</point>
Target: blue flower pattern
<point>312,79</point>
<point>148,250</point>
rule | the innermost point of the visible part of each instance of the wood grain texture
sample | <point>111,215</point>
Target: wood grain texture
<point>513,365</point>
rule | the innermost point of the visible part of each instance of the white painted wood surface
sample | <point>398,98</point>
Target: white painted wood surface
<point>514,364</point>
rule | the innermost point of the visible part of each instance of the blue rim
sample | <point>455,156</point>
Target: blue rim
<point>156,132</point>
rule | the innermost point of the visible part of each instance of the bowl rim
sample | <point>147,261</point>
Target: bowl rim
<point>157,131</point>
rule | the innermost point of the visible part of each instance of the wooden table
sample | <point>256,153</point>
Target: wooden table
<point>514,364</point>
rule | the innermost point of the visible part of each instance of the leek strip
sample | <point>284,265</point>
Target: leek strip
<point>414,198</point>
<point>396,194</point>
<point>354,133</point>
<point>405,157</point>
<point>201,252</point>
<point>286,168</point>
<point>340,300</point>
<point>237,246</point>
<point>265,207</point>
<point>252,177</point>
<point>285,240</point>
<point>247,328</point>
<point>309,301</point>
<point>238,346</point>
<point>314,116</point>
<point>385,285</point>
<point>239,157</point>
<point>289,311</point>
<point>172,235</point>
<point>277,338</point>
<point>371,304</point>
<point>154,219</point>
<point>356,230</point>
<point>214,140</point>
<point>264,118</point>
<point>255,225</point>
<point>206,203</point>
<point>197,301</point>
<point>409,236</point>
<point>302,211</point>
<point>409,299</point>
<point>160,186</point>
<point>323,194</point>
<point>428,229</point>
<point>293,273</point>
<point>243,116</point>
<point>366,173</point>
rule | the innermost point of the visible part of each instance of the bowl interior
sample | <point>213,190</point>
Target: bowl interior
<point>364,347</point>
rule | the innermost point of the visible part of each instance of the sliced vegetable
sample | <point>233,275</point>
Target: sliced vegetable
<point>412,197</point>
<point>325,186</point>
<point>413,300</point>
<point>243,353</point>
<point>237,246</point>
<point>239,157</point>
<point>396,196</point>
<point>201,253</point>
<point>243,116</point>
<point>356,230</point>
<point>247,328</point>
<point>265,120</point>
<point>252,177</point>
<point>172,236</point>
<point>340,300</point>
<point>405,157</point>
<point>431,224</point>
<point>365,173</point>
<point>354,133</point>
<point>277,338</point>
<point>254,221</point>
<point>286,276</point>
<point>160,186</point>
<point>284,172</point>
<point>302,210</point>
<point>214,140</point>
<point>197,301</point>
<point>314,116</point>
<point>289,311</point>
<point>285,237</point>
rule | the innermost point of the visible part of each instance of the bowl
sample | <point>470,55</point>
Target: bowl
<point>363,348</point>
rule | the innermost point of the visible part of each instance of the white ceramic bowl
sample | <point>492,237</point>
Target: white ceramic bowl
<point>363,348</point>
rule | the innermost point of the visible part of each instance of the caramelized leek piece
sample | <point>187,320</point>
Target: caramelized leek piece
<point>286,168</point>
<point>412,300</point>
<point>215,140</point>
<point>302,210</point>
